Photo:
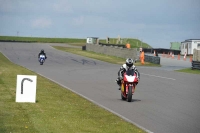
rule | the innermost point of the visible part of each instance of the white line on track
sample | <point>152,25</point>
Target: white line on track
<point>157,76</point>
<point>98,104</point>
<point>87,98</point>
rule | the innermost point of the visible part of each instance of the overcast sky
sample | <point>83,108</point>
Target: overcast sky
<point>156,22</point>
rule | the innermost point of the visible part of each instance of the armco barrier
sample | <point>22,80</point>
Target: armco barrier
<point>152,59</point>
<point>196,65</point>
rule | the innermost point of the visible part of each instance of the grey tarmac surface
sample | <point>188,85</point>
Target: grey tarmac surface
<point>165,101</point>
<point>173,64</point>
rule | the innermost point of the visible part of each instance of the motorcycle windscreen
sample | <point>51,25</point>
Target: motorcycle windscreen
<point>42,56</point>
<point>130,72</point>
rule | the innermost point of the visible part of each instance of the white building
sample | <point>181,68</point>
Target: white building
<point>92,40</point>
<point>189,45</point>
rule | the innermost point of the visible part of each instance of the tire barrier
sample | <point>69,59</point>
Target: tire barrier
<point>84,47</point>
<point>196,65</point>
<point>152,59</point>
<point>117,45</point>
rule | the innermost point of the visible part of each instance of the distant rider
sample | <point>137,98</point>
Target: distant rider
<point>42,53</point>
<point>124,68</point>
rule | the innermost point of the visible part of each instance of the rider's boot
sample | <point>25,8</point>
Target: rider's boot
<point>119,83</point>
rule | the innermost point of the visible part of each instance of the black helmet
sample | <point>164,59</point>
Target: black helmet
<point>42,51</point>
<point>129,62</point>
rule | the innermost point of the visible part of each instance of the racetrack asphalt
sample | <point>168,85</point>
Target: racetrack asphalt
<point>165,101</point>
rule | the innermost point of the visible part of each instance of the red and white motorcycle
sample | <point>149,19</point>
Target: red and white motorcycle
<point>128,85</point>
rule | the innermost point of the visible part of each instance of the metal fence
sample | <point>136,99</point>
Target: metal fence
<point>161,50</point>
<point>196,65</point>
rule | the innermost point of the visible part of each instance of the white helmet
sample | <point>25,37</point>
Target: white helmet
<point>129,62</point>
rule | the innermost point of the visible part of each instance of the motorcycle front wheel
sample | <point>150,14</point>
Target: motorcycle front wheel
<point>41,63</point>
<point>129,94</point>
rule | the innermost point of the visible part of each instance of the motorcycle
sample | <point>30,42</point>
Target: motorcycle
<point>41,59</point>
<point>128,84</point>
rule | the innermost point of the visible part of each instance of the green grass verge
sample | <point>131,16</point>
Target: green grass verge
<point>77,44</point>
<point>57,109</point>
<point>189,70</point>
<point>102,57</point>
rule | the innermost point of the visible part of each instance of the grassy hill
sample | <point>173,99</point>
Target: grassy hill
<point>135,43</point>
<point>41,39</point>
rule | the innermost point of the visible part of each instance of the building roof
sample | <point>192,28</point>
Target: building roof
<point>190,40</point>
<point>193,39</point>
<point>92,37</point>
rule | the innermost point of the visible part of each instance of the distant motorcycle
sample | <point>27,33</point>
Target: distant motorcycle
<point>128,85</point>
<point>41,59</point>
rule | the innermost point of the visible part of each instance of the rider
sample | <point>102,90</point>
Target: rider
<point>124,68</point>
<point>42,53</point>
